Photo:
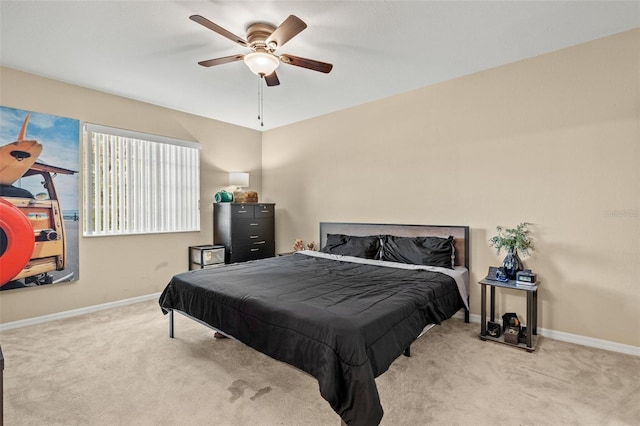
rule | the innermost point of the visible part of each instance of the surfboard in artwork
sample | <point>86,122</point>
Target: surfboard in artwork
<point>18,157</point>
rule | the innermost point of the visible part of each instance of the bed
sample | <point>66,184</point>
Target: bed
<point>342,315</point>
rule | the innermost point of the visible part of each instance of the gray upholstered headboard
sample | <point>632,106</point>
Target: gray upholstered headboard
<point>460,234</point>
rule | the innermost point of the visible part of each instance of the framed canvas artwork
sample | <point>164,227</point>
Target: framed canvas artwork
<point>39,193</point>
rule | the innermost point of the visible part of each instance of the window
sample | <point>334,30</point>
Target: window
<point>137,183</point>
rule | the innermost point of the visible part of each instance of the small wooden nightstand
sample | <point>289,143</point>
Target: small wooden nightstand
<point>532,312</point>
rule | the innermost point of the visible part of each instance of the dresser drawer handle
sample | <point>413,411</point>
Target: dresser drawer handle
<point>264,211</point>
<point>241,211</point>
<point>254,224</point>
<point>254,249</point>
<point>253,237</point>
<point>260,242</point>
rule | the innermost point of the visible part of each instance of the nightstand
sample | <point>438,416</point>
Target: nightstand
<point>532,311</point>
<point>207,256</point>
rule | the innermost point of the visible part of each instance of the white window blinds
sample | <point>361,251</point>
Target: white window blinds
<point>137,183</point>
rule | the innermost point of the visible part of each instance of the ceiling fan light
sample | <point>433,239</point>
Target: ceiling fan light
<point>261,63</point>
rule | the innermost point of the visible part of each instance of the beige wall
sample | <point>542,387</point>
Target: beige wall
<point>116,268</point>
<point>553,140</point>
<point>452,153</point>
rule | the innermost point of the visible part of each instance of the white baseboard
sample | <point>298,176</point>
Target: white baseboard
<point>572,338</point>
<point>551,334</point>
<point>76,312</point>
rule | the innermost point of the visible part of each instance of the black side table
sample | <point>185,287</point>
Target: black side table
<point>532,311</point>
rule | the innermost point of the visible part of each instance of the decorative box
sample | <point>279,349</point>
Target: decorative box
<point>245,197</point>
<point>511,336</point>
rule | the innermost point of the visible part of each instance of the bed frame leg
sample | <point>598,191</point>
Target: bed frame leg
<point>466,315</point>
<point>171,323</point>
<point>407,352</point>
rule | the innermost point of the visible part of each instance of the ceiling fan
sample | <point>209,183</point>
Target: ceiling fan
<point>263,40</point>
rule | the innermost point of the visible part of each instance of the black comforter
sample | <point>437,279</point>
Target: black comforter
<point>344,323</point>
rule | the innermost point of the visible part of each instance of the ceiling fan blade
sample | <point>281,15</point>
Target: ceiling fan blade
<point>220,61</point>
<point>306,63</point>
<point>272,79</point>
<point>291,27</point>
<point>218,29</point>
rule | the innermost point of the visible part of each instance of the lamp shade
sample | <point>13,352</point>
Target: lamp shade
<point>261,63</point>
<point>239,179</point>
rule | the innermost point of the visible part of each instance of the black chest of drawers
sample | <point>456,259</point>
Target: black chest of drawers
<point>246,230</point>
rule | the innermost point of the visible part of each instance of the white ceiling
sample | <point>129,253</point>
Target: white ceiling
<point>148,50</point>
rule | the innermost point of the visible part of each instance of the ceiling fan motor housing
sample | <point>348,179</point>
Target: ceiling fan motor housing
<point>257,35</point>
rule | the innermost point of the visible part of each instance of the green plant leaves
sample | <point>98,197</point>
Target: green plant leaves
<point>513,239</point>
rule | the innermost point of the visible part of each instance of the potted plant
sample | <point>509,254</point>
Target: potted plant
<point>513,240</point>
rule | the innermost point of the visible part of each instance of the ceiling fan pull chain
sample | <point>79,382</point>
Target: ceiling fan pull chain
<point>260,101</point>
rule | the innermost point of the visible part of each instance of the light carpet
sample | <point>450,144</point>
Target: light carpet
<point>119,367</point>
